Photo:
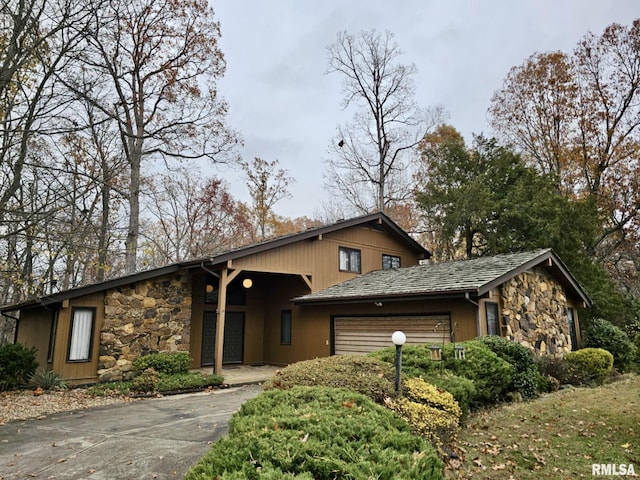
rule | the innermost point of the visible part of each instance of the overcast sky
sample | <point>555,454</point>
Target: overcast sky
<point>287,108</point>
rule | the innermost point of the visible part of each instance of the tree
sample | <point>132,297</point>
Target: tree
<point>370,154</point>
<point>267,186</point>
<point>152,67</point>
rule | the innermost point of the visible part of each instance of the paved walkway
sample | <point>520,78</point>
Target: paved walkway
<point>151,439</point>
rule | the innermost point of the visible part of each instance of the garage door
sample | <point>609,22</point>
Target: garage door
<point>357,335</point>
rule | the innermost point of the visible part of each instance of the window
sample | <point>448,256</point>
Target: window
<point>285,327</point>
<point>349,260</point>
<point>572,328</point>
<point>491,310</point>
<point>390,261</point>
<point>81,334</point>
<point>52,336</point>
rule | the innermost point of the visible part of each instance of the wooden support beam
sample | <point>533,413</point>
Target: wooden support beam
<point>220,317</point>
<point>307,280</point>
<point>231,275</point>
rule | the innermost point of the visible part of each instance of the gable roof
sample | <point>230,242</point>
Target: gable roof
<point>374,220</point>
<point>440,280</point>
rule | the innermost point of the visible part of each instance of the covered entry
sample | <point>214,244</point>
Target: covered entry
<point>364,334</point>
<point>233,350</point>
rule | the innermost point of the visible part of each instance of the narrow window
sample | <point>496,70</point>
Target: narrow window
<point>390,261</point>
<point>572,328</point>
<point>81,333</point>
<point>491,310</point>
<point>349,260</point>
<point>52,336</point>
<point>285,327</point>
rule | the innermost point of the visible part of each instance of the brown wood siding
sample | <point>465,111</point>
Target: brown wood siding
<point>34,330</point>
<point>355,335</point>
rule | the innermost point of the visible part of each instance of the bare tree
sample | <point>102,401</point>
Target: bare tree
<point>155,65</point>
<point>369,162</point>
<point>267,185</point>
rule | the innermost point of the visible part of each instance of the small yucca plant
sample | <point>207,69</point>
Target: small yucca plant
<point>47,380</point>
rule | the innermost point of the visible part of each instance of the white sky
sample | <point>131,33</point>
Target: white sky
<point>287,108</point>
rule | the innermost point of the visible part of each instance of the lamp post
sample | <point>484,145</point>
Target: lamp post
<point>398,338</point>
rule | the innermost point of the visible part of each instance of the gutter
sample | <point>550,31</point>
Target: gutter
<point>468,299</point>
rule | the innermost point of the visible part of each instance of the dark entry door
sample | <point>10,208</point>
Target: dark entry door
<point>233,350</point>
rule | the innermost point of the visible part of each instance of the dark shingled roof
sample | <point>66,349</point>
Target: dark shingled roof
<point>476,277</point>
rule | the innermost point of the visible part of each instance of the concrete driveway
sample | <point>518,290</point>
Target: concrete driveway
<point>150,439</point>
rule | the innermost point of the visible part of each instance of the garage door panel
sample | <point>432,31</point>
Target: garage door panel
<point>358,335</point>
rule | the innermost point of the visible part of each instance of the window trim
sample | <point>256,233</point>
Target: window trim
<point>391,259</point>
<point>286,327</point>
<point>573,330</point>
<point>497,318</point>
<point>91,331</point>
<point>349,251</point>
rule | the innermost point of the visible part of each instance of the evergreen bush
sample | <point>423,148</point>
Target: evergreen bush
<point>164,362</point>
<point>589,366</point>
<point>146,382</point>
<point>603,334</point>
<point>317,433</point>
<point>17,365</point>
<point>462,389</point>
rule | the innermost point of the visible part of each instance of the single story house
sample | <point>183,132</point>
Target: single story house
<point>340,288</point>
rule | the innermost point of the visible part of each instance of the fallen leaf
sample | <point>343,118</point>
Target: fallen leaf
<point>625,445</point>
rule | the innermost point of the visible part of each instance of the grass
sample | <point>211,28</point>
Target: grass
<point>557,436</point>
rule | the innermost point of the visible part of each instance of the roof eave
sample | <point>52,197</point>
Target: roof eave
<point>399,297</point>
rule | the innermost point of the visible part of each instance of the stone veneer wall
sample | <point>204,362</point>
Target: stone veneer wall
<point>147,317</point>
<point>534,309</point>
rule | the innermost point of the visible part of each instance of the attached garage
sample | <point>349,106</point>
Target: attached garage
<point>353,335</point>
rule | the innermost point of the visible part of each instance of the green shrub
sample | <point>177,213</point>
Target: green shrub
<point>462,389</point>
<point>146,382</point>
<point>416,359</point>
<point>525,377</point>
<point>491,375</point>
<point>589,366</point>
<point>431,412</point>
<point>366,375</point>
<point>107,389</point>
<point>603,334</point>
<point>317,433</point>
<point>17,365</point>
<point>186,381</point>
<point>47,380</point>
<point>164,362</point>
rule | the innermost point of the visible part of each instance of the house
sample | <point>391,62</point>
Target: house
<point>341,288</point>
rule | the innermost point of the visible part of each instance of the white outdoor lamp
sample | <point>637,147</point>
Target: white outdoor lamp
<point>398,338</point>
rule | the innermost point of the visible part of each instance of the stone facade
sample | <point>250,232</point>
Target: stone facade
<point>148,317</point>
<point>534,311</point>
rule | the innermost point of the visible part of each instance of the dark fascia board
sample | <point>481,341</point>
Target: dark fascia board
<point>400,297</point>
<point>566,278</point>
<point>377,218</point>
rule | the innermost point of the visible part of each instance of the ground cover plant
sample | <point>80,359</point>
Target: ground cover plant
<point>559,435</point>
<point>317,433</point>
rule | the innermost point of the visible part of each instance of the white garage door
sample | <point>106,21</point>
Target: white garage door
<point>357,335</point>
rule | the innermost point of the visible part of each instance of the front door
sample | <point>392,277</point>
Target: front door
<point>233,350</point>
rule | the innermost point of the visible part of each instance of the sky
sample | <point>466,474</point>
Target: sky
<point>286,107</point>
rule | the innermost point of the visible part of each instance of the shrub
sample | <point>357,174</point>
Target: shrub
<point>554,367</point>
<point>605,335</point>
<point>146,382</point>
<point>317,433</point>
<point>416,359</point>
<point>47,380</point>
<point>525,376</point>
<point>17,365</point>
<point>164,362</point>
<point>186,381</point>
<point>491,375</point>
<point>462,389</point>
<point>589,366</point>
<point>366,375</point>
<point>431,412</point>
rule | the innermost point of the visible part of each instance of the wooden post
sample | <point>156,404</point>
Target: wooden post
<point>220,317</point>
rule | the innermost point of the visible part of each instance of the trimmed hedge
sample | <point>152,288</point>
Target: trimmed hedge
<point>17,365</point>
<point>366,375</point>
<point>589,366</point>
<point>164,362</point>
<point>317,433</point>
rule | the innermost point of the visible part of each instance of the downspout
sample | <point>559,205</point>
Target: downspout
<point>217,275</point>
<point>468,299</point>
<point>15,331</point>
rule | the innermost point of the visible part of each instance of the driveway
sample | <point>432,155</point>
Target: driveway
<point>150,439</point>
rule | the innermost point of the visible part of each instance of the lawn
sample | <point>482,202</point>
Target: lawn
<point>559,435</point>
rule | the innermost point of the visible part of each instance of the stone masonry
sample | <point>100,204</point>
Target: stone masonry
<point>147,317</point>
<point>534,310</point>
